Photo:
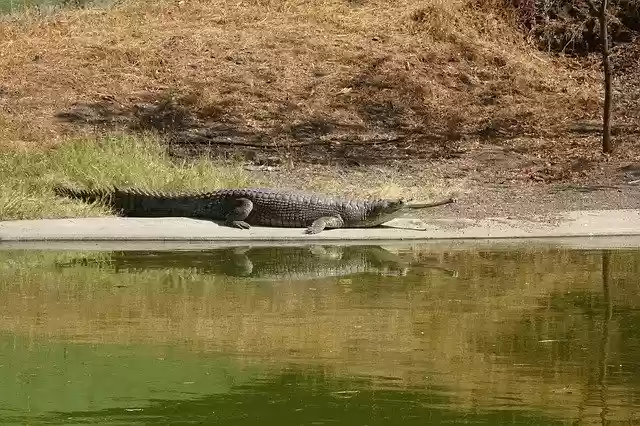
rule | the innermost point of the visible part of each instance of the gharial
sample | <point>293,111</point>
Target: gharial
<point>241,208</point>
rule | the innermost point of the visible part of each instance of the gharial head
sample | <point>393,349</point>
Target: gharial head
<point>381,211</point>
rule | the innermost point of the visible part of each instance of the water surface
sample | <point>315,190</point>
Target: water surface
<point>320,335</point>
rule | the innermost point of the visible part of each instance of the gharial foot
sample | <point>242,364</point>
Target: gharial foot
<point>314,229</point>
<point>241,209</point>
<point>240,224</point>
<point>320,224</point>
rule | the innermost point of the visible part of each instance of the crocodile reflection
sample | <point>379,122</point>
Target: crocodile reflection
<point>269,263</point>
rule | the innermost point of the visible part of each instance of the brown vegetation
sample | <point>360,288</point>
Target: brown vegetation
<point>419,73</point>
<point>572,26</point>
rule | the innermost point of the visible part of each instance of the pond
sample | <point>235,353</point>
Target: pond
<point>314,335</point>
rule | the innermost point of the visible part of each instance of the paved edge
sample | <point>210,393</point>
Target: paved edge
<point>585,243</point>
<point>567,225</point>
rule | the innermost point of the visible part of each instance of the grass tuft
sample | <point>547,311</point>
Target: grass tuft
<point>27,177</point>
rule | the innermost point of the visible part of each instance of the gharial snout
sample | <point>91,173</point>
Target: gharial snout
<point>409,204</point>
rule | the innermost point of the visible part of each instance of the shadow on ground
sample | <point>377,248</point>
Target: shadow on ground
<point>191,131</point>
<point>378,115</point>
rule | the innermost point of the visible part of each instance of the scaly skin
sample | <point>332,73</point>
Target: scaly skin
<point>242,208</point>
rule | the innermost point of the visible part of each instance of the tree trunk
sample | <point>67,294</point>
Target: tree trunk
<point>606,119</point>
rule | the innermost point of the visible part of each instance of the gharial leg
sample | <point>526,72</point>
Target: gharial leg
<point>321,223</point>
<point>236,217</point>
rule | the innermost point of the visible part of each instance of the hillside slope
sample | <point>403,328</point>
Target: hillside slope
<point>421,76</point>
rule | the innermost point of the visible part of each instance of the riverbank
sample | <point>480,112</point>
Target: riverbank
<point>417,99</point>
<point>566,225</point>
<point>484,182</point>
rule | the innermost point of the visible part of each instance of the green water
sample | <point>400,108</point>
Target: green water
<point>320,335</point>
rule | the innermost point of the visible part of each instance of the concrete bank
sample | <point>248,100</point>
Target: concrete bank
<point>584,224</point>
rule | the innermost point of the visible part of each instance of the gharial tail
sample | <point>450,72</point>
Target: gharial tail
<point>136,202</point>
<point>87,195</point>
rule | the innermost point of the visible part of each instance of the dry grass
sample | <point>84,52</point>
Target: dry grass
<point>431,66</point>
<point>374,182</point>
<point>277,71</point>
